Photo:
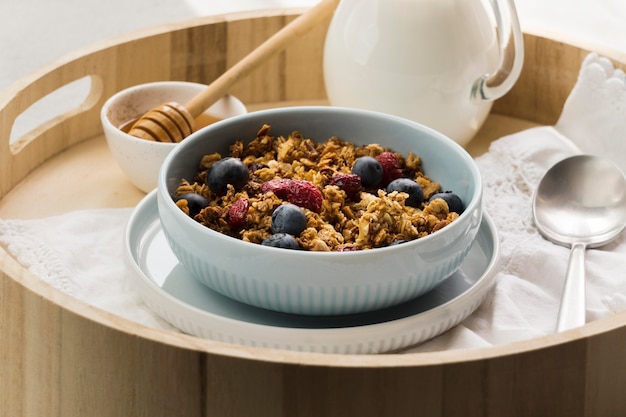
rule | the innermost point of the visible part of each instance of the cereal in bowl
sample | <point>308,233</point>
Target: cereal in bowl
<point>293,192</point>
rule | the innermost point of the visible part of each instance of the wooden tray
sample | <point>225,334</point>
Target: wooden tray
<point>61,357</point>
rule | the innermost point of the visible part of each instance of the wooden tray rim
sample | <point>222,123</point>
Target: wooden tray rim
<point>10,267</point>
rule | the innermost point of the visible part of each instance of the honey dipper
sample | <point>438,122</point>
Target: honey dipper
<point>172,122</point>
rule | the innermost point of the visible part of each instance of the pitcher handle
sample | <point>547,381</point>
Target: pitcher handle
<point>494,86</point>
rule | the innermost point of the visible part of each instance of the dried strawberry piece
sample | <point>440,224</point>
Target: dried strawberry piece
<point>278,187</point>
<point>237,213</point>
<point>305,194</point>
<point>349,183</point>
<point>391,168</point>
<point>299,192</point>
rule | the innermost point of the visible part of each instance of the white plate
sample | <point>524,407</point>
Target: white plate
<point>193,308</point>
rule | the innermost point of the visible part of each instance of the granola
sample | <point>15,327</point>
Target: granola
<point>338,218</point>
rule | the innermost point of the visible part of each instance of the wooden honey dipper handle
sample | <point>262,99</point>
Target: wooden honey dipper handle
<point>172,122</point>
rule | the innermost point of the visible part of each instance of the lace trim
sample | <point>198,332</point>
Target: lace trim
<point>35,255</point>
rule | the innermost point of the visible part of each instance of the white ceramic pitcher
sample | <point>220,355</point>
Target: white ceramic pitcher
<point>438,62</point>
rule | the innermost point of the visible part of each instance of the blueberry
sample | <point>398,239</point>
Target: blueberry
<point>369,170</point>
<point>195,202</point>
<point>455,204</point>
<point>227,171</point>
<point>281,240</point>
<point>288,218</point>
<point>407,185</point>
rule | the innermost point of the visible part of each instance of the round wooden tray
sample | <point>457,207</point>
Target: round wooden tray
<point>61,357</point>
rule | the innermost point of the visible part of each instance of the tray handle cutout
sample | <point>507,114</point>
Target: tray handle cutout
<point>53,109</point>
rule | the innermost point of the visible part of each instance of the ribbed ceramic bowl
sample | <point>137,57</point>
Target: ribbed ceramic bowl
<point>323,283</point>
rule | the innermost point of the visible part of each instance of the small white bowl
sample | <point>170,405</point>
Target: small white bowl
<point>141,159</point>
<point>323,283</point>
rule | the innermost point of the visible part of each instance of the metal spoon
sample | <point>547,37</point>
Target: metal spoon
<point>580,203</point>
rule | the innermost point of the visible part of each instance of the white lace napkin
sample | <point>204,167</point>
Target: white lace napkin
<point>525,301</point>
<point>76,254</point>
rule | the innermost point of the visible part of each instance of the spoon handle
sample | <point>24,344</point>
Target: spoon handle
<point>572,310</point>
<point>295,29</point>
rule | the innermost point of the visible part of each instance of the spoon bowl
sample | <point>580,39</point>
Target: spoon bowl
<point>580,203</point>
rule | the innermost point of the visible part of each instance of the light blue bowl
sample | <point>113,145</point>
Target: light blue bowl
<point>323,283</point>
